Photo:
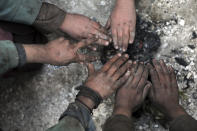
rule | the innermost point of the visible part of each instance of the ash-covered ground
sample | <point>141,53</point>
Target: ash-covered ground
<point>34,101</point>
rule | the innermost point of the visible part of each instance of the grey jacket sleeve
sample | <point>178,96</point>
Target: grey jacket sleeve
<point>8,56</point>
<point>20,11</point>
<point>11,55</point>
<point>184,123</point>
<point>77,117</point>
<point>68,123</point>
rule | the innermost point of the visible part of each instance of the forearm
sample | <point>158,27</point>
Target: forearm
<point>120,120</point>
<point>183,123</point>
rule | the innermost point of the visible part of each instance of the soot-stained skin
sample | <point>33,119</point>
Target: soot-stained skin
<point>145,45</point>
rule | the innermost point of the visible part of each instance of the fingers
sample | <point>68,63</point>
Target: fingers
<point>91,69</point>
<point>122,80</point>
<point>125,39</point>
<point>146,90</point>
<point>154,76</point>
<point>84,43</point>
<point>143,81</point>
<point>173,78</point>
<point>122,70</point>
<point>102,42</point>
<point>115,38</point>
<point>165,72</point>
<point>100,35</point>
<point>120,38</point>
<point>99,31</point>
<point>133,70</point>
<point>137,76</point>
<point>159,70</point>
<point>134,67</point>
<point>86,58</point>
<point>132,36</point>
<point>109,63</point>
<point>117,64</point>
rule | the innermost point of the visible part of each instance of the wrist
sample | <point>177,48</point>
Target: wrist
<point>176,112</point>
<point>36,53</point>
<point>87,102</point>
<point>92,87</point>
<point>123,1</point>
<point>65,26</point>
<point>87,92</point>
<point>121,110</point>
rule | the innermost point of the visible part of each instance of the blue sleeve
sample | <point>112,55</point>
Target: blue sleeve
<point>20,11</point>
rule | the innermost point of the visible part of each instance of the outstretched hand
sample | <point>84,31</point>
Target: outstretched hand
<point>110,77</point>
<point>122,24</point>
<point>62,52</point>
<point>164,92</point>
<point>81,27</point>
<point>133,92</point>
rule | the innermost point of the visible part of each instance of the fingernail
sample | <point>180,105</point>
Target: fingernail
<point>106,43</point>
<point>126,55</point>
<point>135,62</point>
<point>130,61</point>
<point>149,85</point>
<point>124,50</point>
<point>116,47</point>
<point>127,73</point>
<point>119,54</point>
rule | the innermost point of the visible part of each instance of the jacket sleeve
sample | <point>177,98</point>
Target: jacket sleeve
<point>20,11</point>
<point>11,55</point>
<point>67,124</point>
<point>77,117</point>
<point>118,123</point>
<point>8,56</point>
<point>183,123</point>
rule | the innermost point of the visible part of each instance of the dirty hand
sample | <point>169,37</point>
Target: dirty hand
<point>81,27</point>
<point>122,24</point>
<point>164,92</point>
<point>110,77</point>
<point>131,95</point>
<point>62,52</point>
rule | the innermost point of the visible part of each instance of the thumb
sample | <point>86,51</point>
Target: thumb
<point>84,43</point>
<point>146,89</point>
